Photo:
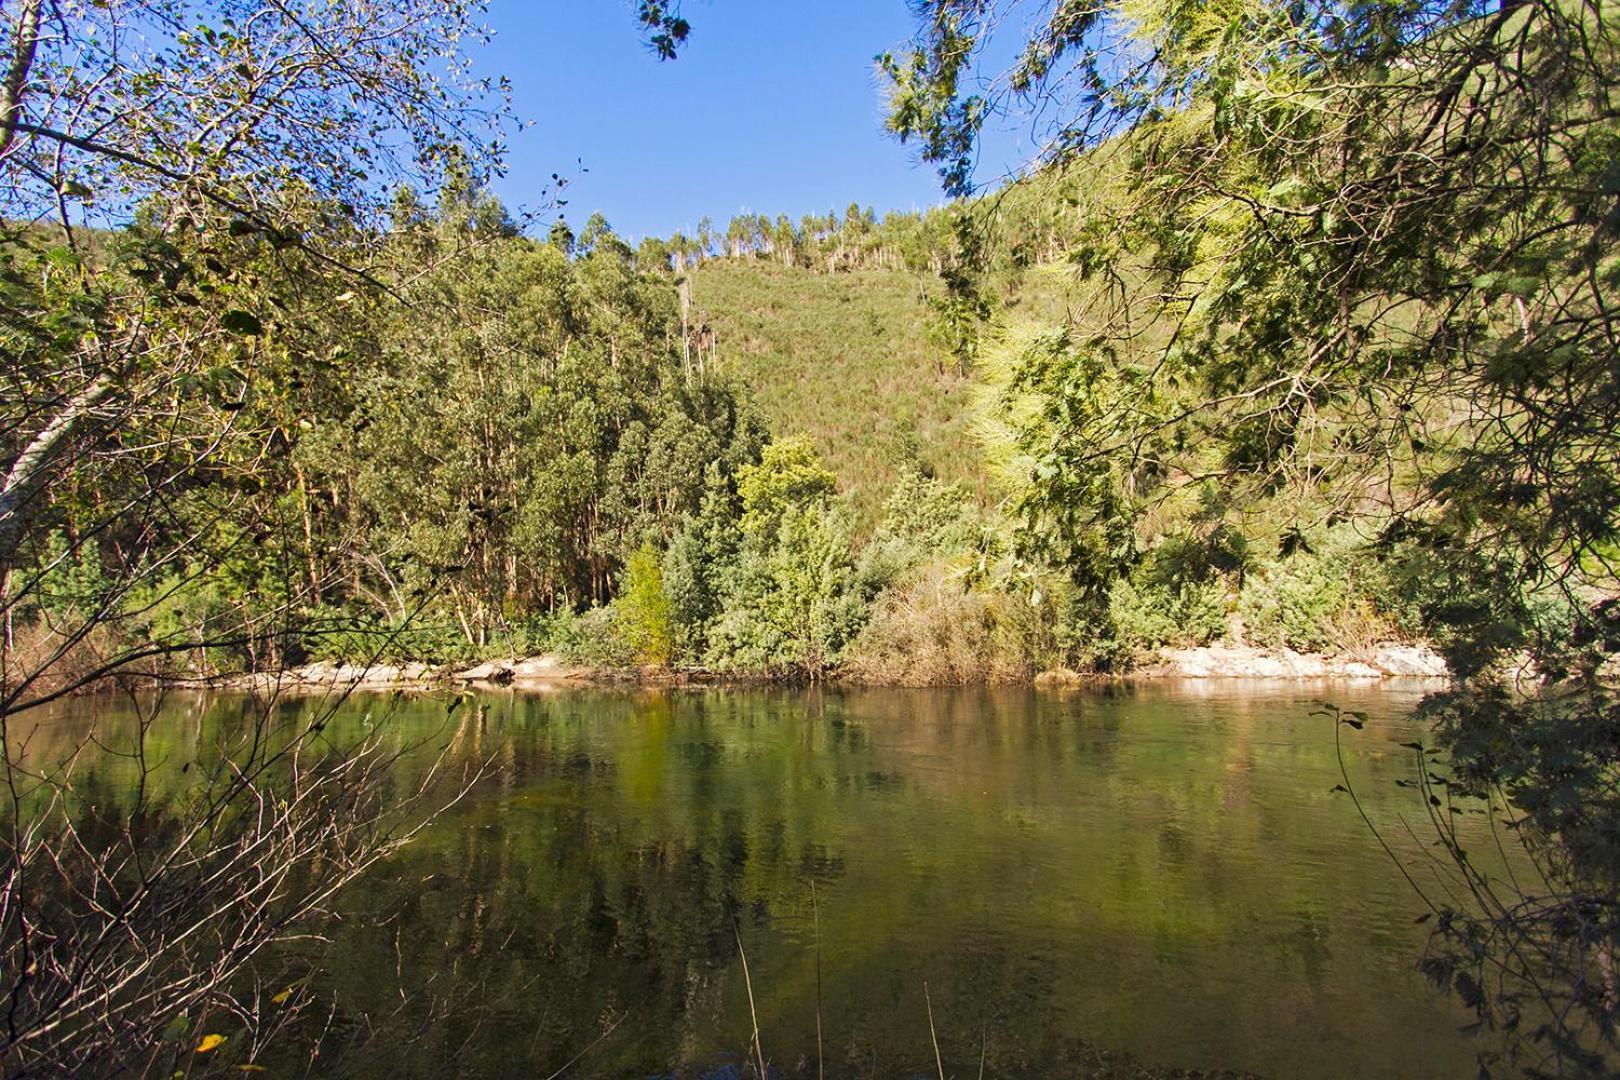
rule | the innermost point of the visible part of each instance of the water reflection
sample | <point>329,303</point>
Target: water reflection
<point>1089,883</point>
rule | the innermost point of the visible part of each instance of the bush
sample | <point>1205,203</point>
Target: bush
<point>1475,605</point>
<point>696,565</point>
<point>643,610</point>
<point>1177,596</point>
<point>931,516</point>
<point>796,602</point>
<point>933,629</point>
<point>1315,602</point>
<point>595,637</point>
<point>1153,614</point>
<point>70,582</point>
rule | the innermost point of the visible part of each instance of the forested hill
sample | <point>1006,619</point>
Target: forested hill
<point>860,333</point>
<point>796,453</point>
<point>1068,423</point>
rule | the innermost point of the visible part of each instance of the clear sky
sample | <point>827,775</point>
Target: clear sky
<point>772,107</point>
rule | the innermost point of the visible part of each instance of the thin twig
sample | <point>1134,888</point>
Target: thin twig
<point>759,1052</point>
<point>938,1063</point>
<point>815,914</point>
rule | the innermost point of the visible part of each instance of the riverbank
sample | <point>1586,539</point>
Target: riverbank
<point>537,673</point>
<point>1390,660</point>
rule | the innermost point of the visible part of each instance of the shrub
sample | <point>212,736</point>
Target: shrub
<point>1315,602</point>
<point>70,582</point>
<point>644,613</point>
<point>934,629</point>
<point>796,601</point>
<point>1153,614</point>
<point>594,637</point>
<point>1473,604</point>
<point>931,516</point>
<point>695,567</point>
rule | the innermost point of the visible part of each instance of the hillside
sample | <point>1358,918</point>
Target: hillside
<point>846,360</point>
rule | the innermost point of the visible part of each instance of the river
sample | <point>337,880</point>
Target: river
<point>1110,882</point>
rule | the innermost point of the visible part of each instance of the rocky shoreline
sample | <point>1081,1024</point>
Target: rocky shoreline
<point>540,673</point>
<point>1381,661</point>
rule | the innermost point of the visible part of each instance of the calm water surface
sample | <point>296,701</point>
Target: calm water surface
<point>1086,883</point>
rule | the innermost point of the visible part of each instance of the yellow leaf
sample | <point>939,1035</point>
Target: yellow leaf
<point>210,1042</point>
<point>281,998</point>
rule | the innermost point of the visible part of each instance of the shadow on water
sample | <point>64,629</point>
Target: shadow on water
<point>1137,881</point>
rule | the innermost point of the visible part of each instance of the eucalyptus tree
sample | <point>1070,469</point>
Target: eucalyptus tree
<point>538,402</point>
<point>708,241</point>
<point>1358,260</point>
<point>784,240</point>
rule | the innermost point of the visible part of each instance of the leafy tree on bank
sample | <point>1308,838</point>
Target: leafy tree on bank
<point>194,199</point>
<point>1379,246</point>
<point>792,596</point>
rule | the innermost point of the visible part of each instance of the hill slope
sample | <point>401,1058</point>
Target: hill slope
<point>845,360</point>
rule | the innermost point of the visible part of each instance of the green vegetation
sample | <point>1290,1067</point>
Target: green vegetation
<point>858,360</point>
<point>1347,297</point>
<point>489,446</point>
<point>461,452</point>
<point>846,360</point>
<point>1302,335</point>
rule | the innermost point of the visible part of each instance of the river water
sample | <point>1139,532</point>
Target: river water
<point>1118,882</point>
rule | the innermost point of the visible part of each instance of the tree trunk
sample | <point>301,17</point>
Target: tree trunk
<point>22,61</point>
<point>33,466</point>
<point>686,329</point>
<point>309,534</point>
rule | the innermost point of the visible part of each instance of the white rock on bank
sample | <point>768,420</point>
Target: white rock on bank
<point>489,671</point>
<point>528,671</point>
<point>1396,659</point>
<point>1242,662</point>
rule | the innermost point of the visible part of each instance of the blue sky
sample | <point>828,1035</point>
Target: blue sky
<point>772,107</point>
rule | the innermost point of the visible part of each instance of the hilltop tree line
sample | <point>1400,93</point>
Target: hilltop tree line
<point>1030,226</point>
<point>823,243</point>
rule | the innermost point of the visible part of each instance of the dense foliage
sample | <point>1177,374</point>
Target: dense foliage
<point>1351,268</point>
